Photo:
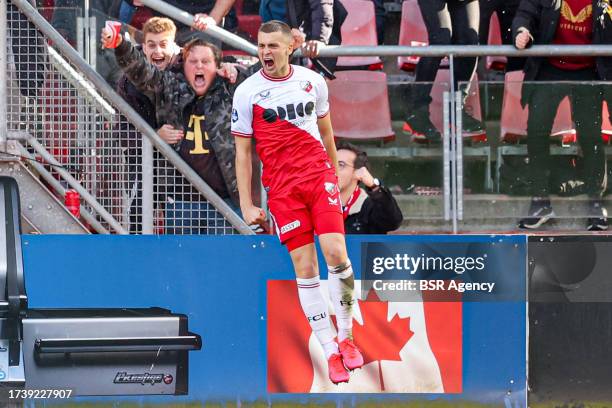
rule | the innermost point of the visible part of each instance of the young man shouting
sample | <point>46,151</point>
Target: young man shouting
<point>285,109</point>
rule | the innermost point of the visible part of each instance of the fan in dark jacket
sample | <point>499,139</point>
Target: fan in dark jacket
<point>160,49</point>
<point>372,210</point>
<point>576,22</point>
<point>196,101</point>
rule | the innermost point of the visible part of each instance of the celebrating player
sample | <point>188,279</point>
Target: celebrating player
<point>285,109</point>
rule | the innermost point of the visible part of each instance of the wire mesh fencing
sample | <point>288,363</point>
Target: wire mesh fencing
<point>50,100</point>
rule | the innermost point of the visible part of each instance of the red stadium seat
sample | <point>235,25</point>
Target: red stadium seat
<point>606,126</point>
<point>497,63</point>
<point>249,24</point>
<point>514,117</point>
<point>472,105</point>
<point>359,28</point>
<point>238,6</point>
<point>413,33</point>
<point>359,105</point>
<point>140,17</point>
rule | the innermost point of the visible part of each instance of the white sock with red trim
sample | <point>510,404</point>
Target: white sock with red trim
<point>341,284</point>
<point>316,311</point>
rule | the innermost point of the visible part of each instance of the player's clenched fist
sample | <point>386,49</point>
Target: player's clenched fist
<point>254,215</point>
<point>522,39</point>
<point>110,37</point>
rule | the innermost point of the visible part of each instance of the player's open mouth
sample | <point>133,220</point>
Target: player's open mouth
<point>268,63</point>
<point>199,80</point>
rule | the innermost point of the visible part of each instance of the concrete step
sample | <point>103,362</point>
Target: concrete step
<point>490,213</point>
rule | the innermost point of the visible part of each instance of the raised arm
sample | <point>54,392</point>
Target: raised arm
<point>144,75</point>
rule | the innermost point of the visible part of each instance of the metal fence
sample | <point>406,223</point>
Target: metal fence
<point>129,180</point>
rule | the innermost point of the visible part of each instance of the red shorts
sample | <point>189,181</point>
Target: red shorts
<point>313,206</point>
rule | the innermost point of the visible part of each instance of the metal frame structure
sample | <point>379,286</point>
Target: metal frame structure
<point>80,78</point>
<point>91,88</point>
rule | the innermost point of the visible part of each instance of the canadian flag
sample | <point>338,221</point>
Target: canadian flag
<point>408,347</point>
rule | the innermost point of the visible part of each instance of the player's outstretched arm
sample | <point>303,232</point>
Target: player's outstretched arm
<point>250,213</point>
<point>327,135</point>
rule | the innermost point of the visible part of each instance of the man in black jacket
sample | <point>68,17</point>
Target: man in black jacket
<point>372,210</point>
<point>574,22</point>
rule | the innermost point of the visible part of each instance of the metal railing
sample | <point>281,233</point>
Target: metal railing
<point>452,133</point>
<point>107,152</point>
<point>91,140</point>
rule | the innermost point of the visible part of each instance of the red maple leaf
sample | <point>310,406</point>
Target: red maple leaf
<point>379,339</point>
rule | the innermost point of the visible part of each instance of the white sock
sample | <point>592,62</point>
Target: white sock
<point>341,285</point>
<point>316,311</point>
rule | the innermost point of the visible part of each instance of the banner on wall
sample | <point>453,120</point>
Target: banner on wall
<point>239,293</point>
<point>408,347</point>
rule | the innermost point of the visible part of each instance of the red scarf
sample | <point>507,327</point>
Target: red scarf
<point>346,208</point>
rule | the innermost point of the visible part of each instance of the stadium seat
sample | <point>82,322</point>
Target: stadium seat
<point>238,5</point>
<point>514,117</point>
<point>141,15</point>
<point>496,63</point>
<point>472,105</point>
<point>247,23</point>
<point>359,105</point>
<point>359,28</point>
<point>413,33</point>
<point>606,126</point>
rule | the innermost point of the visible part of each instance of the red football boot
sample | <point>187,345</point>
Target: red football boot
<point>351,356</point>
<point>337,371</point>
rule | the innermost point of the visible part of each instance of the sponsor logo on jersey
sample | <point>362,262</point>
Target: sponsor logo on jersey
<point>264,94</point>
<point>332,201</point>
<point>330,188</point>
<point>290,227</point>
<point>290,112</point>
<point>234,115</point>
<point>306,85</point>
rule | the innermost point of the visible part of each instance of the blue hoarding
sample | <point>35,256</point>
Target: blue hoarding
<point>225,285</point>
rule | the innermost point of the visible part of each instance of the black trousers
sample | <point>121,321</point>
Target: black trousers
<point>586,103</point>
<point>448,22</point>
<point>506,10</point>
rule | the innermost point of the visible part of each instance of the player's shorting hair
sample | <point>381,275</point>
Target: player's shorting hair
<point>158,25</point>
<point>274,26</point>
<point>199,42</point>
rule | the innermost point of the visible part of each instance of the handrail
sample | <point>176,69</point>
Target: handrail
<point>109,93</point>
<point>466,50</point>
<point>214,31</point>
<point>395,50</point>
